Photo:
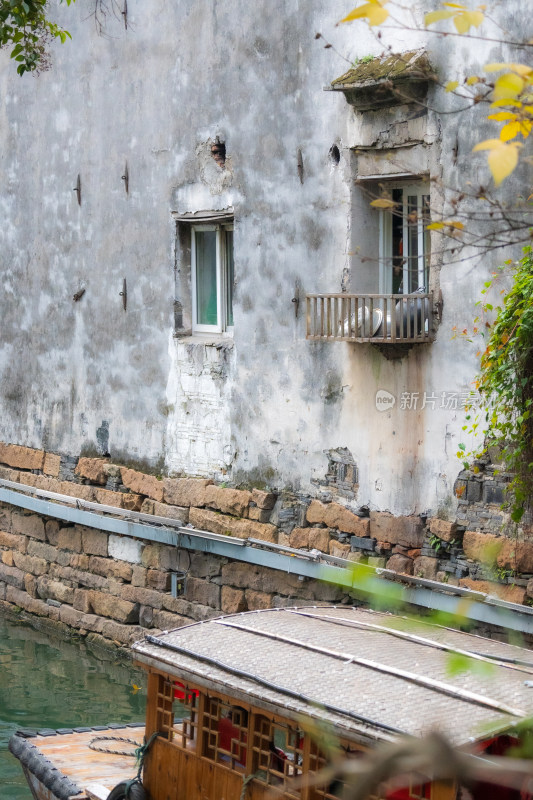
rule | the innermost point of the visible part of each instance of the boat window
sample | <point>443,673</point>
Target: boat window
<point>177,708</point>
<point>277,751</point>
<point>336,787</point>
<point>417,788</point>
<point>224,732</point>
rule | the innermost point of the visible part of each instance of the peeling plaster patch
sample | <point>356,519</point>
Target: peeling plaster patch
<point>211,173</point>
<point>332,391</point>
<point>218,151</point>
<point>198,426</point>
<point>342,477</point>
<point>102,437</point>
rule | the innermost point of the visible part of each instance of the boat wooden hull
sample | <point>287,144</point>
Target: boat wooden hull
<point>38,789</point>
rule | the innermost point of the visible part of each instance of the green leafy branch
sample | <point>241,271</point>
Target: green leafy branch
<point>25,26</point>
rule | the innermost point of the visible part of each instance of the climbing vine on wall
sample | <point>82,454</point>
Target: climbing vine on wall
<point>505,383</point>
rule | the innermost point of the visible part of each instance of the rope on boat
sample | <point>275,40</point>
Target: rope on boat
<point>245,783</point>
<point>142,750</point>
<point>93,746</point>
<point>132,788</point>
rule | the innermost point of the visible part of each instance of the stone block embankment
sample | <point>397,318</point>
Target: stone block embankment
<point>474,549</point>
<point>113,588</point>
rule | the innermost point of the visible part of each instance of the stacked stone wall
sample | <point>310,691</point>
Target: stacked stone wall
<point>115,587</point>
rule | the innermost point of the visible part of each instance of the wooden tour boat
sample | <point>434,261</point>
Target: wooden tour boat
<point>247,706</point>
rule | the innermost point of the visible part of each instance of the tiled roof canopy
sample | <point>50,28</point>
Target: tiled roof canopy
<point>371,675</point>
<point>386,80</point>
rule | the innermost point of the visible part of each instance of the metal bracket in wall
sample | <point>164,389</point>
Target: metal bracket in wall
<point>296,298</point>
<point>77,189</point>
<point>177,583</point>
<point>124,294</point>
<point>126,178</point>
<point>300,165</point>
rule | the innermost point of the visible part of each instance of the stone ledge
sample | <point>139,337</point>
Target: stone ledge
<point>207,520</point>
<point>185,492</point>
<point>407,531</point>
<point>447,531</point>
<point>229,501</point>
<point>499,550</point>
<point>336,516</point>
<point>142,484</point>
<point>20,457</point>
<point>92,469</point>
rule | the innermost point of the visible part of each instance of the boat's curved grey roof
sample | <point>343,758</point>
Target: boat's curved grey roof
<point>372,675</point>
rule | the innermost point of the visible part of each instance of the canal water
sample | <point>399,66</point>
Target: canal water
<point>51,683</point>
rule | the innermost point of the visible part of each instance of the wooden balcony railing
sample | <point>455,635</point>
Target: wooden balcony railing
<point>376,318</point>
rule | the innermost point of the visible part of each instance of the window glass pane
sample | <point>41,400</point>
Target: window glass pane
<point>397,241</point>
<point>206,277</point>
<point>229,278</point>
<point>413,225</point>
<point>427,239</point>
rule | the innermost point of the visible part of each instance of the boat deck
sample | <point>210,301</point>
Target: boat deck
<point>91,772</point>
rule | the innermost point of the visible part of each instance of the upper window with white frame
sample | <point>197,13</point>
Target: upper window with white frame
<point>212,278</point>
<point>404,240</point>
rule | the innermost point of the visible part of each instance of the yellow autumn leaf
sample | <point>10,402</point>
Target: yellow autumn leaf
<point>502,162</point>
<point>496,66</point>
<point>383,202</point>
<point>469,19</point>
<point>508,85</point>
<point>472,80</point>
<point>451,85</point>
<point>377,15</point>
<point>487,144</point>
<point>509,131</point>
<point>373,11</point>
<point>436,16</point>
<point>447,223</point>
<point>356,13</point>
<point>455,5</point>
<point>515,127</point>
<point>502,158</point>
<point>521,69</point>
<point>506,102</point>
<point>502,115</point>
<point>524,70</point>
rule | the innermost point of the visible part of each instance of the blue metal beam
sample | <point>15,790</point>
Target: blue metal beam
<point>368,583</point>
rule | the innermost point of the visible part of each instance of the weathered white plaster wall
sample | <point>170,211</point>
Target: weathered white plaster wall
<point>90,376</point>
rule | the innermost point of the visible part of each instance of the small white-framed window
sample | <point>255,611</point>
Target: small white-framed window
<point>212,278</point>
<point>404,241</point>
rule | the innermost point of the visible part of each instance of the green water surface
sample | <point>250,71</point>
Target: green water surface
<point>50,683</point>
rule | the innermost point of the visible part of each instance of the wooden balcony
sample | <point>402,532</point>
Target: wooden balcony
<point>377,318</point>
